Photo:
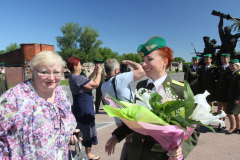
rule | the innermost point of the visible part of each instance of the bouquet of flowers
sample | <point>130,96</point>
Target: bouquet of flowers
<point>163,116</point>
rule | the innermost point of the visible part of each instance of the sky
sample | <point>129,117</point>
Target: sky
<point>122,24</point>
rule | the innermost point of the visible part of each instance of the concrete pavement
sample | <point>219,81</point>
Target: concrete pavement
<point>211,146</point>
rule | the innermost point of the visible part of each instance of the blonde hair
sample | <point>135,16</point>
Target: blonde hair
<point>46,58</point>
<point>238,65</point>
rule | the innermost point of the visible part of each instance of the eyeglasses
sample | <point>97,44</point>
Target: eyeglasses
<point>47,74</point>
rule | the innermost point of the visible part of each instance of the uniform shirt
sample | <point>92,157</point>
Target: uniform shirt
<point>157,83</point>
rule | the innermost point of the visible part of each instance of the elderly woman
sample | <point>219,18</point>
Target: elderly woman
<point>35,117</point>
<point>83,108</point>
<point>156,58</point>
<point>233,105</point>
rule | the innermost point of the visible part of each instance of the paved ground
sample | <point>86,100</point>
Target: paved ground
<point>211,146</point>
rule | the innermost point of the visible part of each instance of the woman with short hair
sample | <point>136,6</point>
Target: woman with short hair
<point>35,117</point>
<point>83,108</point>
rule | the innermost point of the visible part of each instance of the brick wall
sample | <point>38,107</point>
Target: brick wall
<point>15,75</point>
<point>20,59</point>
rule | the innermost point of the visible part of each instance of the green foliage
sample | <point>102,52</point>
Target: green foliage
<point>190,63</point>
<point>12,47</point>
<point>2,51</point>
<point>106,53</point>
<point>64,82</point>
<point>178,59</point>
<point>78,42</point>
<point>132,57</point>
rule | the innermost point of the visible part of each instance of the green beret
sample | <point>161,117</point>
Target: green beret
<point>207,56</point>
<point>2,64</point>
<point>195,58</point>
<point>225,55</point>
<point>151,45</point>
<point>233,61</point>
<point>97,60</point>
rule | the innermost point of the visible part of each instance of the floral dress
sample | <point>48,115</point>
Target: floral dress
<point>31,127</point>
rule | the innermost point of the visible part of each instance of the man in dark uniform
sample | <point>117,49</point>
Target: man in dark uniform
<point>98,90</point>
<point>3,80</point>
<point>208,77</point>
<point>223,77</point>
<point>192,75</point>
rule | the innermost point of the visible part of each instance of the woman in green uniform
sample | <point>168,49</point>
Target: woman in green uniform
<point>233,106</point>
<point>223,75</point>
<point>156,58</point>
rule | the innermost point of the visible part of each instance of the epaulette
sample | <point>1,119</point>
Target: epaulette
<point>177,83</point>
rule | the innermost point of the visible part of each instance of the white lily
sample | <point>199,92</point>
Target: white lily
<point>144,96</point>
<point>202,111</point>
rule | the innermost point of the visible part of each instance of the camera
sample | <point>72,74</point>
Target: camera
<point>124,68</point>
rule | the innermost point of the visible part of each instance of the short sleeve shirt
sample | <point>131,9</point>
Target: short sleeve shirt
<point>76,83</point>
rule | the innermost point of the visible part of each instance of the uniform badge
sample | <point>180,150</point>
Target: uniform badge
<point>141,54</point>
<point>150,47</point>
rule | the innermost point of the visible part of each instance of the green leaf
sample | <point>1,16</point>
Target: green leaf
<point>209,127</point>
<point>155,98</point>
<point>189,108</point>
<point>188,94</point>
<point>183,121</point>
<point>174,105</point>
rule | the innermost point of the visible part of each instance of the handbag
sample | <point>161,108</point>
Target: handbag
<point>80,154</point>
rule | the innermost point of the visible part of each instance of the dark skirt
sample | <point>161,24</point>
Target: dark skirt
<point>232,108</point>
<point>221,96</point>
<point>89,134</point>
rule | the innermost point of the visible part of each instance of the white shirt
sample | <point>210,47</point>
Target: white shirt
<point>225,66</point>
<point>195,68</point>
<point>157,83</point>
<point>208,66</point>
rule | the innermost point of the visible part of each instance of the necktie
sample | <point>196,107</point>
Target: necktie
<point>150,86</point>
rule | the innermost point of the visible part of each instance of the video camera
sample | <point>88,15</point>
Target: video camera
<point>124,68</point>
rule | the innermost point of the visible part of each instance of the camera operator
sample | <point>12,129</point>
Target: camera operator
<point>122,80</point>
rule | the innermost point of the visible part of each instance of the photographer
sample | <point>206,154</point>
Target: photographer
<point>121,79</point>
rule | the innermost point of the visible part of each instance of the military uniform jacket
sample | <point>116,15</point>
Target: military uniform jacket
<point>145,147</point>
<point>3,83</point>
<point>192,77</point>
<point>234,94</point>
<point>223,77</point>
<point>208,81</point>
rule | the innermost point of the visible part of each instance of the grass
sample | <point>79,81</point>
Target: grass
<point>64,82</point>
<point>170,72</point>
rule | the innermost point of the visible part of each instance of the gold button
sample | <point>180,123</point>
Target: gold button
<point>142,140</point>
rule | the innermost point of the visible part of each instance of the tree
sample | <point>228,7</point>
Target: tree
<point>132,57</point>
<point>88,40</point>
<point>107,53</point>
<point>77,42</point>
<point>178,59</point>
<point>12,47</point>
<point>2,51</point>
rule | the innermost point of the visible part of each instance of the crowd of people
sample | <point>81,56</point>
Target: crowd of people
<point>39,122</point>
<point>223,84</point>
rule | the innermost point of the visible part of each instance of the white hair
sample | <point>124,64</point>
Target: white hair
<point>46,58</point>
<point>110,65</point>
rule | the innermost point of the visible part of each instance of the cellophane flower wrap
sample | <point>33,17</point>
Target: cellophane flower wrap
<point>162,115</point>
